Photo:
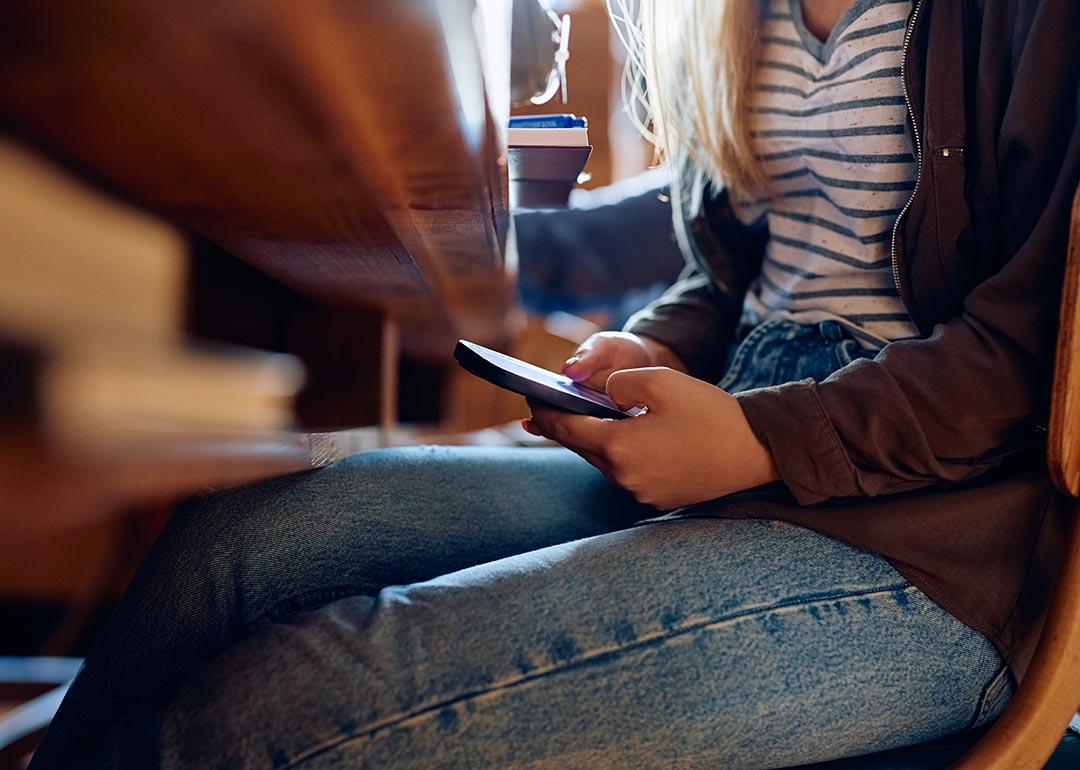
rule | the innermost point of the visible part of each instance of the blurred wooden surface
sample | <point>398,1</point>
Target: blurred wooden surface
<point>47,489</point>
<point>352,153</point>
<point>347,148</point>
<point>1064,428</point>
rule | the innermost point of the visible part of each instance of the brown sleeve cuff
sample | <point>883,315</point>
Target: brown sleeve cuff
<point>790,420</point>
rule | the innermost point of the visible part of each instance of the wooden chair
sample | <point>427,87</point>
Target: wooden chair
<point>1028,731</point>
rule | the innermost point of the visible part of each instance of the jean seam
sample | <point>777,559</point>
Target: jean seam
<point>314,598</point>
<point>742,351</point>
<point>842,354</point>
<point>934,588</point>
<point>990,694</point>
<point>597,656</point>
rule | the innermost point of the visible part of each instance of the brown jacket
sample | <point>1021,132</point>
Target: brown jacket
<point>932,453</point>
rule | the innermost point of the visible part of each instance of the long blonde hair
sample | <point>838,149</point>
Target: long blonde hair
<point>689,76</point>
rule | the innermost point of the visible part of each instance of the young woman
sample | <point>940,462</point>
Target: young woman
<point>873,197</point>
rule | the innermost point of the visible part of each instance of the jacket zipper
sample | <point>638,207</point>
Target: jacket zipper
<point>895,245</point>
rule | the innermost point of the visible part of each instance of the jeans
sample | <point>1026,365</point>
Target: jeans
<point>486,608</point>
<point>777,351</point>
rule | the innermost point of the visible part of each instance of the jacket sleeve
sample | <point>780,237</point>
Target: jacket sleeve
<point>697,316</point>
<point>691,319</point>
<point>947,407</point>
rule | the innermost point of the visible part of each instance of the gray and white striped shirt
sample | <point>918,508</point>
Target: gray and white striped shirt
<point>829,125</point>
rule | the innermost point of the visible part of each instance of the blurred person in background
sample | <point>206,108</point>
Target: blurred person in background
<point>611,252</point>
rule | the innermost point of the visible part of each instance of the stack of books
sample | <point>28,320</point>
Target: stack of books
<point>92,305</point>
<point>546,156</point>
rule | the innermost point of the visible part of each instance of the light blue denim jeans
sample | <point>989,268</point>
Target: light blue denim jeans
<point>474,608</point>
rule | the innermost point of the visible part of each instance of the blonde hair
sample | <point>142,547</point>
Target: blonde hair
<point>689,75</point>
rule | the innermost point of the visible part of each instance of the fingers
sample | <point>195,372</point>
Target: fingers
<point>582,365</point>
<point>637,387</point>
<point>590,369</point>
<point>596,460</point>
<point>591,362</point>
<point>606,352</point>
<point>573,431</point>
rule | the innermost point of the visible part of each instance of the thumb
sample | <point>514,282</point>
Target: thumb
<point>634,387</point>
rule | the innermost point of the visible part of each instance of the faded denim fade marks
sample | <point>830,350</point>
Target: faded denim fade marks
<point>564,656</point>
<point>695,643</point>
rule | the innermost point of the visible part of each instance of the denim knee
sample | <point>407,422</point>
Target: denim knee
<point>279,546</point>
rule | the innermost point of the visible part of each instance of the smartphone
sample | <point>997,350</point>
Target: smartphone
<point>531,381</point>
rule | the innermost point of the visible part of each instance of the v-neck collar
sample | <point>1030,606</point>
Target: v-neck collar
<point>822,50</point>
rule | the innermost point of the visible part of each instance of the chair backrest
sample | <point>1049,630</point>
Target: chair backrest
<point>1063,449</point>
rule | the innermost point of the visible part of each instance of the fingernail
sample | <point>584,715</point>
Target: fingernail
<point>527,426</point>
<point>571,361</point>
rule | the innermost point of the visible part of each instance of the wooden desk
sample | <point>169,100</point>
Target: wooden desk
<point>350,153</point>
<point>348,149</point>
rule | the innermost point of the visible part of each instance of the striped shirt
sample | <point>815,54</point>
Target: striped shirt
<point>829,125</point>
